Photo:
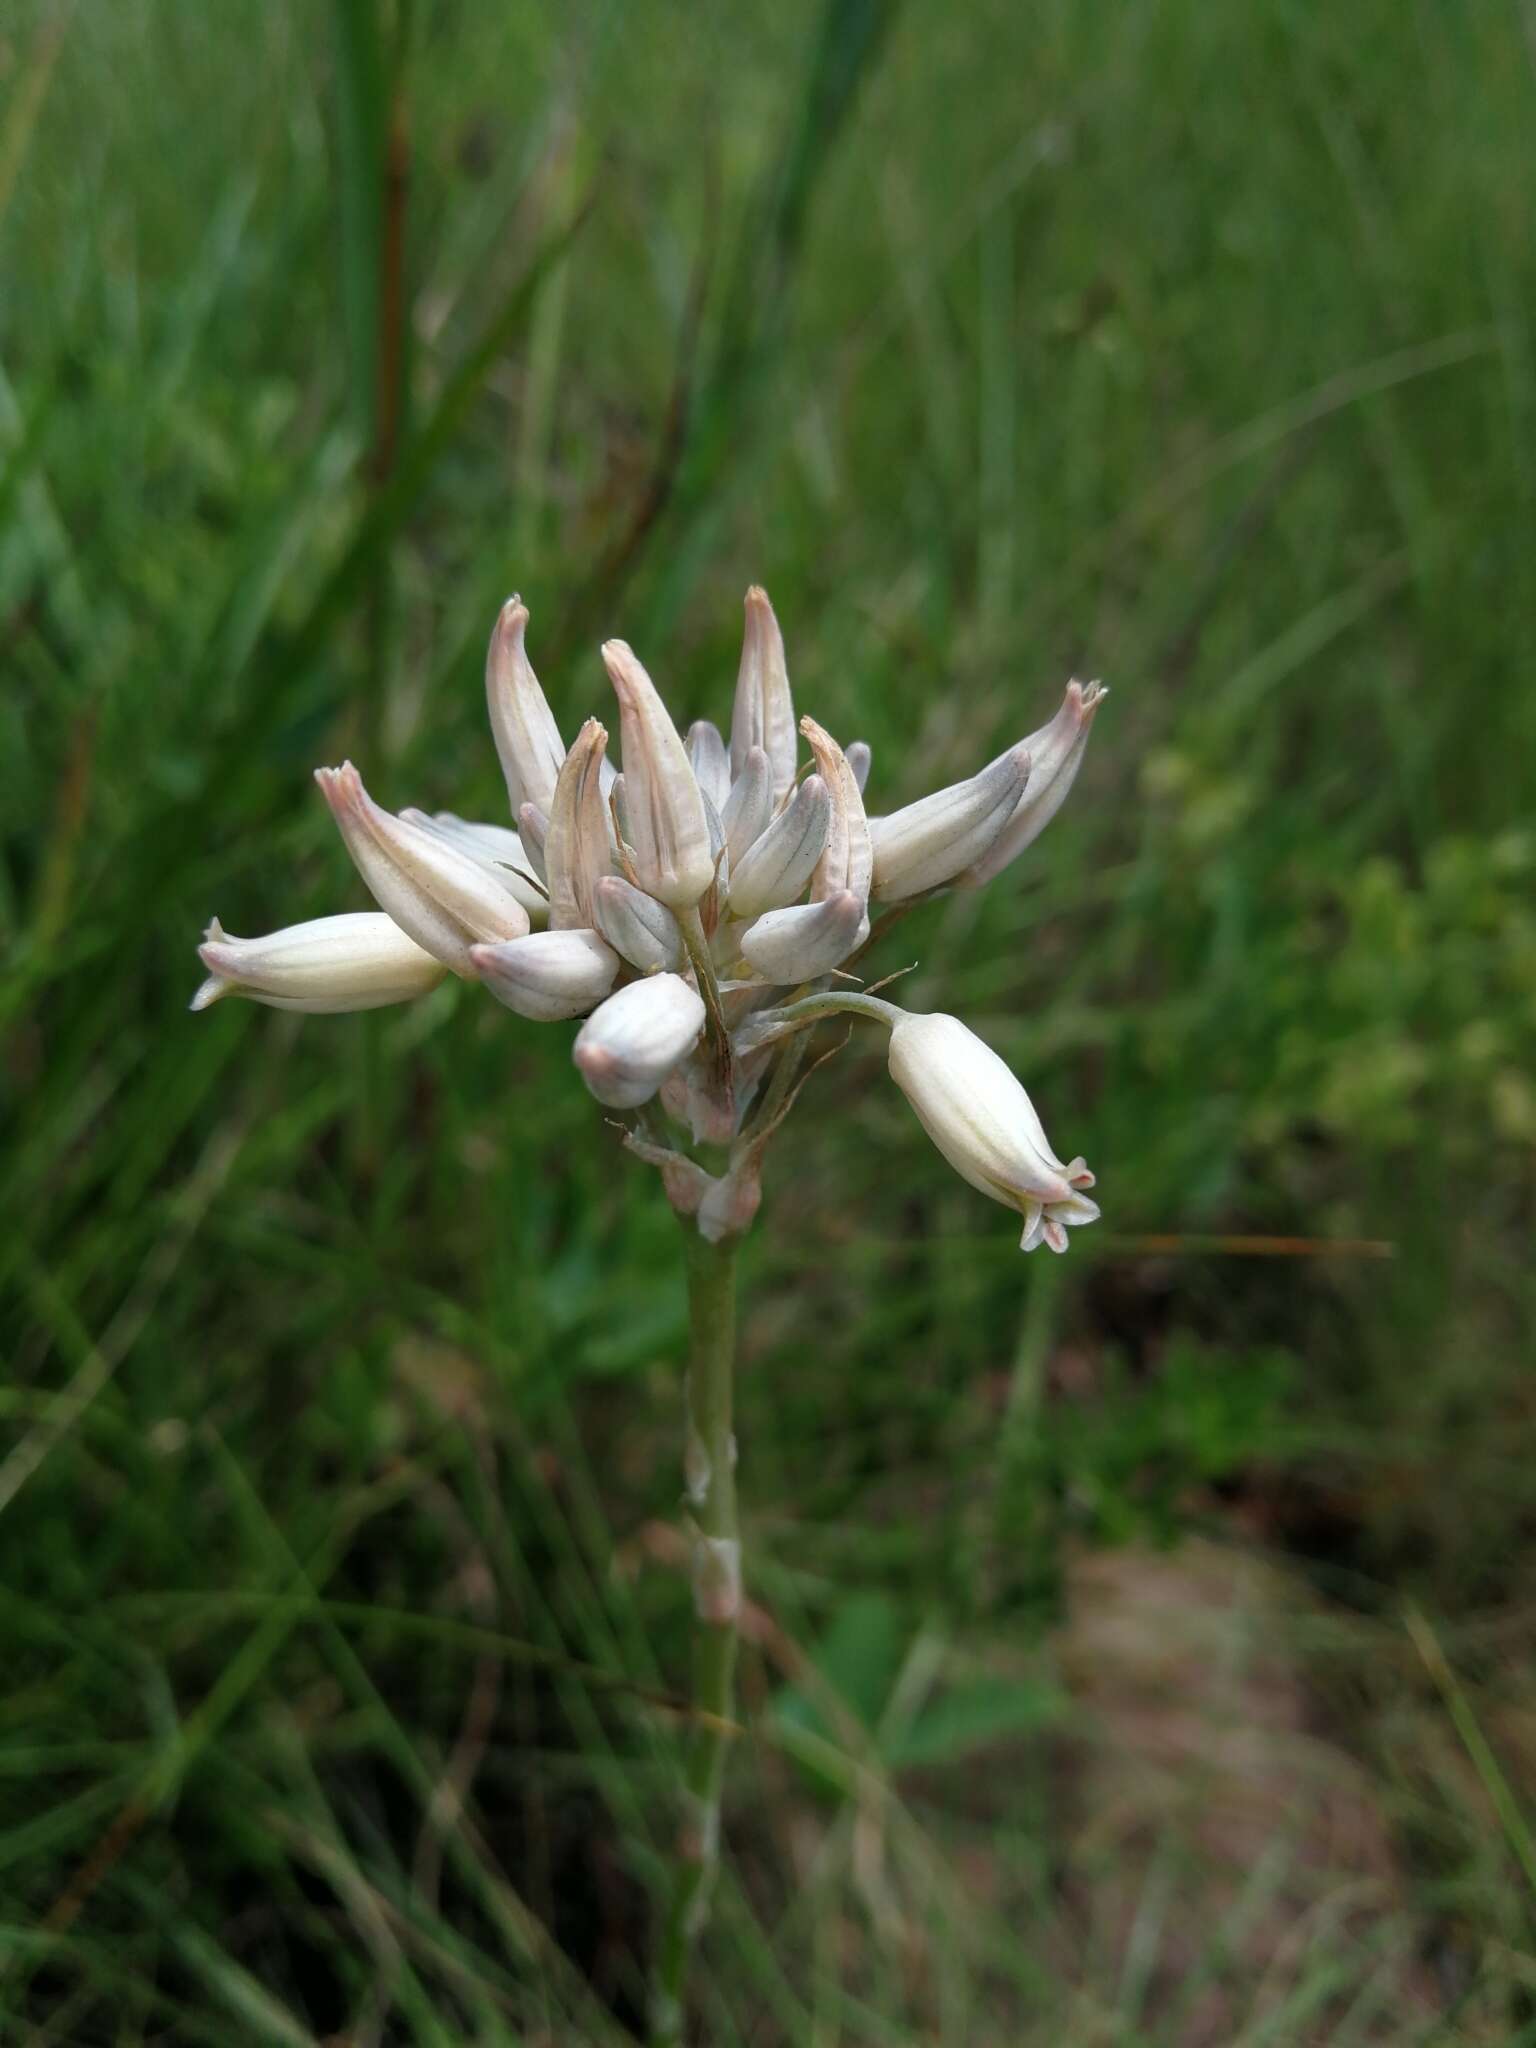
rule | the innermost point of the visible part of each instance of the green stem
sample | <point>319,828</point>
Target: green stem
<point>692,927</point>
<point>710,1465</point>
<point>832,1002</point>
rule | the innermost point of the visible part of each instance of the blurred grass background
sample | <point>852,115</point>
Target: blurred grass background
<point>1141,1645</point>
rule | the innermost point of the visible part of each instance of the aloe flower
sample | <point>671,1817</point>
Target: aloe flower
<point>693,917</point>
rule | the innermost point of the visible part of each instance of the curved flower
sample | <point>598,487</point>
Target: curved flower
<point>668,830</point>
<point>445,900</point>
<point>977,1113</point>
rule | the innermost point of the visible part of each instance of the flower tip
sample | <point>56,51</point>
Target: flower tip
<point>1086,698</point>
<point>600,1068</point>
<point>341,787</point>
<point>512,619</point>
<point>211,991</point>
<point>621,662</point>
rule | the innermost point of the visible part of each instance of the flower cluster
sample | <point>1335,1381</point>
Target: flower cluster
<point>695,910</point>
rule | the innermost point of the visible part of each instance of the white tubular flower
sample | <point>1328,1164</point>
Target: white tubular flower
<point>847,859</point>
<point>930,842</point>
<point>445,900</point>
<point>644,931</point>
<point>548,975</point>
<point>1056,753</point>
<point>578,844</point>
<point>710,762</point>
<point>668,832</point>
<point>522,724</point>
<point>630,1044</point>
<point>979,1116</point>
<point>773,871</point>
<point>764,711</point>
<point>811,939</point>
<point>497,848</point>
<point>748,807</point>
<point>359,961</point>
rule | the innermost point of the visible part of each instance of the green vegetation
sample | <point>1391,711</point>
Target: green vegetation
<point>1141,1650</point>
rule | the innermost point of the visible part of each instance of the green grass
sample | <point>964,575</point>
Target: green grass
<point>1186,346</point>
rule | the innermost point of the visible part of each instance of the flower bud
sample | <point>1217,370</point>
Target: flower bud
<point>710,762</point>
<point>629,1045</point>
<point>497,848</point>
<point>977,1113</point>
<point>358,961</point>
<point>748,807</point>
<point>444,899</point>
<point>764,712</point>
<point>847,859</point>
<point>811,939</point>
<point>548,975</point>
<point>636,925</point>
<point>932,841</point>
<point>775,869</point>
<point>578,845</point>
<point>527,737</point>
<point>858,760</point>
<point>1055,753</point>
<point>668,833</point>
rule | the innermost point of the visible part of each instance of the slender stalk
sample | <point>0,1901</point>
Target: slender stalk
<point>770,1025</point>
<point>692,927</point>
<point>710,1467</point>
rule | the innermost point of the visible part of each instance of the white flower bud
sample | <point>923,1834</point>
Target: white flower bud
<point>358,961</point>
<point>527,737</point>
<point>578,844</point>
<point>629,1045</point>
<point>932,841</point>
<point>548,975</point>
<point>811,939</point>
<point>774,871</point>
<point>979,1116</point>
<point>858,760</point>
<point>636,925</point>
<point>710,762</point>
<point>847,860</point>
<point>668,833</point>
<point>1055,754</point>
<point>764,711</point>
<point>497,848</point>
<point>748,807</point>
<point>444,899</point>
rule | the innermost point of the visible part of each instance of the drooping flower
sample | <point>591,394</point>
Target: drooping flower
<point>976,1111</point>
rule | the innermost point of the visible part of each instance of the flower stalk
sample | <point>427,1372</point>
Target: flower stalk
<point>710,1471</point>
